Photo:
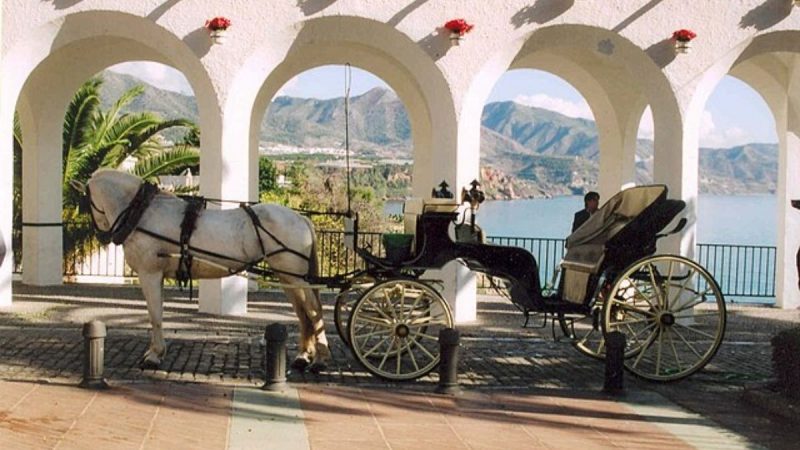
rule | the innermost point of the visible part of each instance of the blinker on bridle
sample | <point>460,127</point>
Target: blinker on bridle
<point>87,204</point>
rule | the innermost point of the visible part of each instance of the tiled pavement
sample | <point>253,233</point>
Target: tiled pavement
<point>521,387</point>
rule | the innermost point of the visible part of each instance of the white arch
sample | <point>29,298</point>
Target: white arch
<point>45,67</point>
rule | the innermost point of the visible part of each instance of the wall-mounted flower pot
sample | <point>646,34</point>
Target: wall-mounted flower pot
<point>218,36</point>
<point>682,46</point>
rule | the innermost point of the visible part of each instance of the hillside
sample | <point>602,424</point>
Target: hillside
<point>544,152</point>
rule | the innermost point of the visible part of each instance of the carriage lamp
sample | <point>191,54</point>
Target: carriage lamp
<point>474,196</point>
<point>442,192</point>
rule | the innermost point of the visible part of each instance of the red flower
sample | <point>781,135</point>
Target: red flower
<point>459,26</point>
<point>684,35</point>
<point>218,23</point>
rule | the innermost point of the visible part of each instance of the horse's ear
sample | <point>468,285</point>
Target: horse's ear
<point>78,186</point>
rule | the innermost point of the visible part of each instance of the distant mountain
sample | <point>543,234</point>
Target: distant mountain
<point>553,153</point>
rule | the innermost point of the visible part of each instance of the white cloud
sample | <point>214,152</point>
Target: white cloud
<point>714,137</point>
<point>159,75</point>
<point>572,109</point>
<point>710,135</point>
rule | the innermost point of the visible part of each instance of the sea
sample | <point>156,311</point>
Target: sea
<point>721,219</point>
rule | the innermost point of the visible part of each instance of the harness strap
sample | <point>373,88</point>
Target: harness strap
<point>190,214</point>
<point>256,224</point>
<point>129,218</point>
<point>283,247</point>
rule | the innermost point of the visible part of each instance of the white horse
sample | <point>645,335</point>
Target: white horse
<point>226,239</point>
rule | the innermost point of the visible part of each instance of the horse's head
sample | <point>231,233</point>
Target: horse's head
<point>104,196</point>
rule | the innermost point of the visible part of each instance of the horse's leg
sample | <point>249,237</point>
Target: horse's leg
<point>151,287</point>
<point>306,352</point>
<point>322,352</point>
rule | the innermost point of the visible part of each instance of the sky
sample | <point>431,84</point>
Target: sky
<point>735,114</point>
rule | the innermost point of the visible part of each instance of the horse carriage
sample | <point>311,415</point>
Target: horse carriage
<point>669,308</point>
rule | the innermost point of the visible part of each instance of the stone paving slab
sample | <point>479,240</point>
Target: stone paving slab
<point>40,341</point>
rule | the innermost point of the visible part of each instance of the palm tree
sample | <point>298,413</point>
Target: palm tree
<point>93,139</point>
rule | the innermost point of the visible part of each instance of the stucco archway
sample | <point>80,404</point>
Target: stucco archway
<point>49,64</point>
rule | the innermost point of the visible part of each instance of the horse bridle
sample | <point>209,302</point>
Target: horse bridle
<point>104,236</point>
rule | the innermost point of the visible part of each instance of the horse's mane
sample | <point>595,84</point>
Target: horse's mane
<point>123,180</point>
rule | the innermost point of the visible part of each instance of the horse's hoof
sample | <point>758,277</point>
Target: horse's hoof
<point>300,364</point>
<point>146,364</point>
<point>317,367</point>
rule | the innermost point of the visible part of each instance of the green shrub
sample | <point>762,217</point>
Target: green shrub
<point>786,361</point>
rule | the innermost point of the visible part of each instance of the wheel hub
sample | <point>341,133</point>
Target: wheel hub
<point>667,319</point>
<point>401,331</point>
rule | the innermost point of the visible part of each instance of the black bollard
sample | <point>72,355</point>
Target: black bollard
<point>615,363</point>
<point>94,336</point>
<point>275,357</point>
<point>448,366</point>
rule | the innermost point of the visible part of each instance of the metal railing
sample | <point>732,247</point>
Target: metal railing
<point>741,270</point>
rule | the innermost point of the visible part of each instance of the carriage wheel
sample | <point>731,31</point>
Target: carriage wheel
<point>344,306</point>
<point>394,329</point>
<point>672,314</point>
<point>585,330</point>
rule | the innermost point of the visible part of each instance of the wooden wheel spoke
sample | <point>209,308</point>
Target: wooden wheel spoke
<point>655,285</point>
<point>376,346</point>
<point>702,333</point>
<point>674,350</point>
<point>373,333</point>
<point>422,347</point>
<point>686,343</point>
<point>632,309</point>
<point>379,310</point>
<point>388,352</point>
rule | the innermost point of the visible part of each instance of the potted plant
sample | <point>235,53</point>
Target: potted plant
<point>217,27</point>
<point>458,28</point>
<point>682,39</point>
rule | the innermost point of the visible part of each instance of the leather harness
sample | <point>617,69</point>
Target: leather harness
<point>128,222</point>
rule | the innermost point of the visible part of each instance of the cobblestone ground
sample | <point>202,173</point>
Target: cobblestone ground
<point>40,339</point>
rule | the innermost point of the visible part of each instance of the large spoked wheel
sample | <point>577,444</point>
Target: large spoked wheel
<point>672,314</point>
<point>586,330</point>
<point>394,329</point>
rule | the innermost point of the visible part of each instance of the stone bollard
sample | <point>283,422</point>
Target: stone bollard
<point>275,357</point>
<point>448,365</point>
<point>615,363</point>
<point>94,336</point>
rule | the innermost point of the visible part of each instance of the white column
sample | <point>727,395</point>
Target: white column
<point>42,254</point>
<point>787,293</point>
<point>6,198</point>
<point>675,163</point>
<point>226,173</point>
<point>617,156</point>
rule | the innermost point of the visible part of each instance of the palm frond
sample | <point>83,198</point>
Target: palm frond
<point>166,162</point>
<point>82,109</point>
<point>110,118</point>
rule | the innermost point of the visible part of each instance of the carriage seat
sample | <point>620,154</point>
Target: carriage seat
<point>587,246</point>
<point>414,207</point>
